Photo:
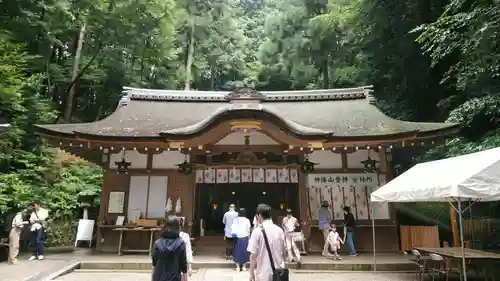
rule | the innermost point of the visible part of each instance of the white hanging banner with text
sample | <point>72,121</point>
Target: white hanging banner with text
<point>346,189</point>
<point>247,175</point>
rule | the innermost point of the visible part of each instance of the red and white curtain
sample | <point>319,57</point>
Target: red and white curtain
<point>244,175</point>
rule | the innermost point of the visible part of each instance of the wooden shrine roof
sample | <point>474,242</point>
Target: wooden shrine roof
<point>332,114</point>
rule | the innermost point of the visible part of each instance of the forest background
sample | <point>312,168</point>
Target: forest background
<point>67,61</point>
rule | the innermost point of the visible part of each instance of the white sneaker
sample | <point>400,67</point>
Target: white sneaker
<point>40,258</point>
<point>32,258</point>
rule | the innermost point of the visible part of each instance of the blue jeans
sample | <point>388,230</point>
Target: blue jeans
<point>350,243</point>
<point>37,242</point>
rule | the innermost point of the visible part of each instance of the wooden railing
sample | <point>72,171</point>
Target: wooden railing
<point>418,236</point>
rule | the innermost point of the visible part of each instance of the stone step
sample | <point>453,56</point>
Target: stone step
<point>330,266</point>
<point>115,271</point>
<point>298,271</point>
<point>209,241</point>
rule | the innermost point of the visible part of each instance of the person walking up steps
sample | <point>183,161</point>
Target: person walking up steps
<point>169,254</point>
<point>267,249</point>
<point>289,223</point>
<point>241,228</point>
<point>227,220</point>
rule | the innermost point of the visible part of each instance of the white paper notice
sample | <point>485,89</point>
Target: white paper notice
<point>116,202</point>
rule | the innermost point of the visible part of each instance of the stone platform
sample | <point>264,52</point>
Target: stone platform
<point>363,262</point>
<point>231,275</point>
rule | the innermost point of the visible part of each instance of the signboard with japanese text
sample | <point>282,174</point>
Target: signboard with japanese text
<point>346,189</point>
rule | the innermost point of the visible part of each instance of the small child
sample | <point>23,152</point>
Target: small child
<point>334,241</point>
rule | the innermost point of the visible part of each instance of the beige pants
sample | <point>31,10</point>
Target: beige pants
<point>291,248</point>
<point>325,245</point>
<point>14,237</point>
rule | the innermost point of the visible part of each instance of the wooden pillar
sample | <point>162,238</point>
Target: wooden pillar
<point>454,226</point>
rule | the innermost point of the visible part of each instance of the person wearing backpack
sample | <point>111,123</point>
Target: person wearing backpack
<point>16,227</point>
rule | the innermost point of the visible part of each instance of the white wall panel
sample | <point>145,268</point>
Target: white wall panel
<point>157,198</point>
<point>326,159</point>
<point>168,160</point>
<point>137,195</point>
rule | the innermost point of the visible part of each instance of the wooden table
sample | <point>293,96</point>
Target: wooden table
<point>470,254</point>
<point>136,229</point>
<point>456,252</point>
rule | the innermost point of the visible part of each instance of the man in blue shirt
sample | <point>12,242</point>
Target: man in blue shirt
<point>227,220</point>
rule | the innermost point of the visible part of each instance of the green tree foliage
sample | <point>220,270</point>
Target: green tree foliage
<point>67,61</point>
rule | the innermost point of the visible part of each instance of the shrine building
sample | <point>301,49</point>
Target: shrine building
<point>196,152</point>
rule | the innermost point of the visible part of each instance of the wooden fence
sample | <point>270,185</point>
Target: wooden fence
<point>478,229</point>
<point>418,236</point>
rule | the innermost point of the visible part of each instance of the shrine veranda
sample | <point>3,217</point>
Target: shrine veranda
<point>197,152</point>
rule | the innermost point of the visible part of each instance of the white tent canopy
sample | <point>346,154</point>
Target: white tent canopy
<point>473,176</point>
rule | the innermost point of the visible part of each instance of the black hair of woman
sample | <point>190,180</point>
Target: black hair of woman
<point>172,227</point>
<point>242,212</point>
<point>17,208</point>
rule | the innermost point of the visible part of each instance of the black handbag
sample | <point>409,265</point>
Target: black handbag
<point>279,274</point>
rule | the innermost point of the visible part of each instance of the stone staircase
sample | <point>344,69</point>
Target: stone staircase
<point>209,245</point>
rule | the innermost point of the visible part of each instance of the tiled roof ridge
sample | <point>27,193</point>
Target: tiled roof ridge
<point>224,96</point>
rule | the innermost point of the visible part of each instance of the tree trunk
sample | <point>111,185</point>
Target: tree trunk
<point>326,77</point>
<point>76,64</point>
<point>190,57</point>
<point>98,114</point>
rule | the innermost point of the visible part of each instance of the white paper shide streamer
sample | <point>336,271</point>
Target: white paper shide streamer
<point>168,208</point>
<point>178,206</point>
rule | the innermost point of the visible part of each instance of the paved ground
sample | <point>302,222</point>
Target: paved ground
<point>30,270</point>
<point>230,275</point>
<point>34,270</point>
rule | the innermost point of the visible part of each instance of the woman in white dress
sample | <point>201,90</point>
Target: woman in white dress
<point>189,250</point>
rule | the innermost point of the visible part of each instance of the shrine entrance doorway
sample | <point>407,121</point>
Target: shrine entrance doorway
<point>213,200</point>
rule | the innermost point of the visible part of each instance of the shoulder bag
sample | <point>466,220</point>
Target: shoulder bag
<point>279,274</point>
<point>42,223</point>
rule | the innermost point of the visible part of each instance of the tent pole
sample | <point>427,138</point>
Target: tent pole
<point>462,244</point>
<point>373,235</point>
